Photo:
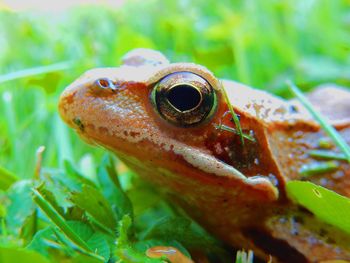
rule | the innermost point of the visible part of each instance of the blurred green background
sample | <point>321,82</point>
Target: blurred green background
<point>260,43</point>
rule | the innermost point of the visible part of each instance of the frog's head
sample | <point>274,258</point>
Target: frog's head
<point>162,120</point>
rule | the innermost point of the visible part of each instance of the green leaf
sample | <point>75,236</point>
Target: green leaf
<point>49,196</point>
<point>181,229</point>
<point>125,250</point>
<point>60,222</point>
<point>169,228</point>
<point>75,213</point>
<point>94,203</point>
<point>84,231</point>
<point>143,197</point>
<point>6,178</point>
<point>29,227</point>
<point>84,259</point>
<point>327,205</point>
<point>20,205</point>
<point>2,210</point>
<point>95,240</point>
<point>111,188</point>
<point>39,243</point>
<point>11,255</point>
<point>99,244</point>
<point>124,227</point>
<point>75,175</point>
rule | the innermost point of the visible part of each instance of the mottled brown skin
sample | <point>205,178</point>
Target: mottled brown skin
<point>200,167</point>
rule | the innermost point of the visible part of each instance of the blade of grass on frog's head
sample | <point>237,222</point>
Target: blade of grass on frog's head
<point>230,129</point>
<point>60,222</point>
<point>234,115</point>
<point>329,129</point>
<point>36,71</point>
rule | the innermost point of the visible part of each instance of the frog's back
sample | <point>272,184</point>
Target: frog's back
<point>291,134</point>
<point>291,131</point>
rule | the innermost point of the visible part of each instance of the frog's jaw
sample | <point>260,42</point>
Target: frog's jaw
<point>167,154</point>
<point>171,155</point>
<point>147,142</point>
<point>206,196</point>
<point>237,215</point>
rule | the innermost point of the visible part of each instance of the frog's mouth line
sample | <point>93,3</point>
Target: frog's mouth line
<point>130,143</point>
<point>201,160</point>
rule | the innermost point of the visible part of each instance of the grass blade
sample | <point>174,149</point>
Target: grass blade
<point>62,138</point>
<point>234,115</point>
<point>35,71</point>
<point>244,257</point>
<point>318,168</point>
<point>60,222</point>
<point>326,154</point>
<point>233,130</point>
<point>329,129</point>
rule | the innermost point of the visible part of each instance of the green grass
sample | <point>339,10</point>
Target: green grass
<point>260,43</point>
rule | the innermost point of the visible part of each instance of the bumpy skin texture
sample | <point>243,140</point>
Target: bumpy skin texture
<point>237,192</point>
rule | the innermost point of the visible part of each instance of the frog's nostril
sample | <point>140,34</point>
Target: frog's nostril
<point>105,83</point>
<point>78,123</point>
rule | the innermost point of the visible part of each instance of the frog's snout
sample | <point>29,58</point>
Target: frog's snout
<point>73,103</point>
<point>75,99</point>
<point>65,105</point>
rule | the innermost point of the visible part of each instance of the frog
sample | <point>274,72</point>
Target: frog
<point>172,125</point>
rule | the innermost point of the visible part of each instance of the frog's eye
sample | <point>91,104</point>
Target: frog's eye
<point>184,99</point>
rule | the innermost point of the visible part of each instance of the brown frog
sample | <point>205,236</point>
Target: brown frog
<point>169,123</point>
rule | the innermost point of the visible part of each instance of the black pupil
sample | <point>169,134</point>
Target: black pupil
<point>184,97</point>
